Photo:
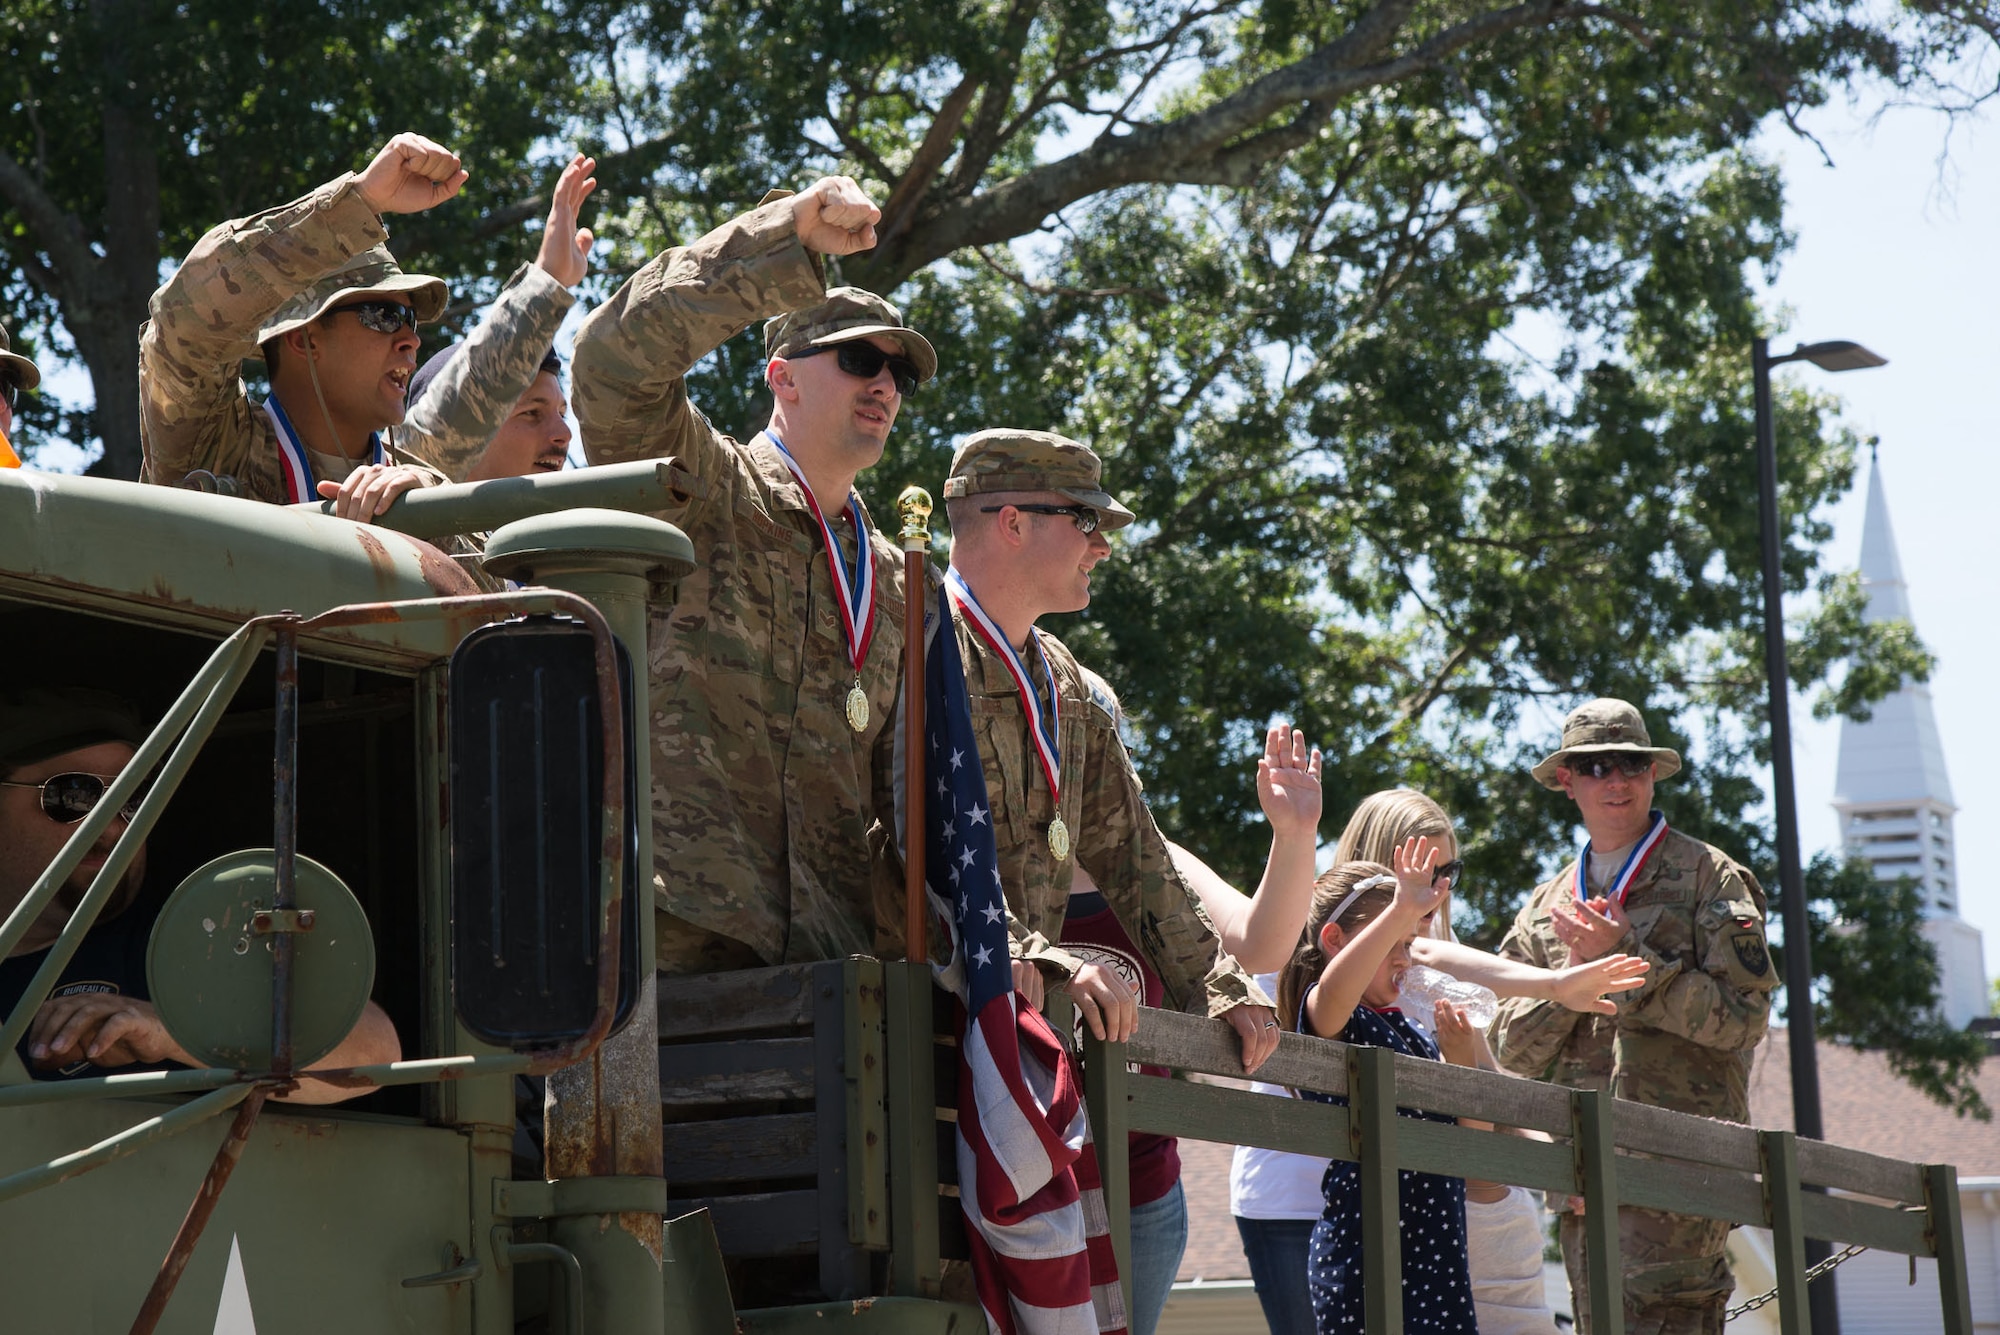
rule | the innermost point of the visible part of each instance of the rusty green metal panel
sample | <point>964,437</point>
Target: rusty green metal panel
<point>327,1213</point>
<point>866,1316</point>
<point>201,561</point>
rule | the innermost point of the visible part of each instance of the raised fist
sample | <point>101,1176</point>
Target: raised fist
<point>411,174</point>
<point>835,217</point>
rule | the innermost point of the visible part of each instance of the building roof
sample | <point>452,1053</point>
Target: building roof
<point>1896,756</point>
<point>1866,1106</point>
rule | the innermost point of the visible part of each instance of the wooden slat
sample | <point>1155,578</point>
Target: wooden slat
<point>1696,1189</point>
<point>1485,1095</point>
<point>773,1223</point>
<point>1491,1156</point>
<point>1841,1219</point>
<point>741,1002</point>
<point>1684,1136</point>
<point>742,1149</point>
<point>1788,1230</point>
<point>738,1071</point>
<point>1824,1165</point>
<point>1236,1116</point>
<point>1191,1043</point>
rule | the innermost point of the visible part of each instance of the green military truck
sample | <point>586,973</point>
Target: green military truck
<point>375,775</point>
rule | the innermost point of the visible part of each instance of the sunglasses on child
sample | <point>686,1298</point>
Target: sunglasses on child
<point>383,317</point>
<point>68,798</point>
<point>865,360</point>
<point>1617,762</point>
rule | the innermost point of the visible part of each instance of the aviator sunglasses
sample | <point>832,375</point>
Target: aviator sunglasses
<point>865,360</point>
<point>1082,516</point>
<point>68,798</point>
<point>1604,766</point>
<point>383,317</point>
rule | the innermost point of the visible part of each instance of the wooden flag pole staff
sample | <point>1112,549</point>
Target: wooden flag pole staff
<point>915,507</point>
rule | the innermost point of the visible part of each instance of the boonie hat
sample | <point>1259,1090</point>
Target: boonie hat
<point>847,313</point>
<point>46,721</point>
<point>1009,459</point>
<point>1600,726</point>
<point>23,372</point>
<point>372,273</point>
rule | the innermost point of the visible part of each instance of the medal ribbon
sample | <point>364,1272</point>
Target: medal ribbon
<point>293,461</point>
<point>1043,728</point>
<point>856,587</point>
<point>1635,862</point>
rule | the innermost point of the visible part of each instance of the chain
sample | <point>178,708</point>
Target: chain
<point>1764,1298</point>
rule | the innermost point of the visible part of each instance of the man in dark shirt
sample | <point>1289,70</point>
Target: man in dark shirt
<point>60,751</point>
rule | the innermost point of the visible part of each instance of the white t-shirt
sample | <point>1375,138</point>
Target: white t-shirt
<point>1273,1184</point>
<point>1503,1249</point>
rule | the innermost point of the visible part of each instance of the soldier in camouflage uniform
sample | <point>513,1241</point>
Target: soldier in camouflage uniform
<point>1028,517</point>
<point>771,745</point>
<point>311,288</point>
<point>1684,1039</point>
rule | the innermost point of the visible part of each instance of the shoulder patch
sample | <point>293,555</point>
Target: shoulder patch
<point>1751,953</point>
<point>1101,698</point>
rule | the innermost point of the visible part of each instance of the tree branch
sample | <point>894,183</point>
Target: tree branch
<point>59,233</point>
<point>928,160</point>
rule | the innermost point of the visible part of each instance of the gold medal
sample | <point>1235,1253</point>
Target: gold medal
<point>1059,839</point>
<point>857,712</point>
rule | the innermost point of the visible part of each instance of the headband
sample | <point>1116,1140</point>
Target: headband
<point>1364,884</point>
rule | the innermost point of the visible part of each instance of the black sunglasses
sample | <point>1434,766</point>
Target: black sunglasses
<point>383,317</point>
<point>1604,766</point>
<point>866,361</point>
<point>68,798</point>
<point>10,392</point>
<point>1085,518</point>
<point>1448,872</point>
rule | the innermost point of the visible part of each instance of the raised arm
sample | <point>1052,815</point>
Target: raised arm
<point>1578,987</point>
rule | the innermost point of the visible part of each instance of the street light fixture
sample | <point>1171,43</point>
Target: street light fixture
<point>1839,355</point>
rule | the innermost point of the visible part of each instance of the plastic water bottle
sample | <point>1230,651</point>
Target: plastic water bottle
<point>1424,987</point>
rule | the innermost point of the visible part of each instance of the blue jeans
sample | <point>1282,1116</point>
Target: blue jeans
<point>1159,1238</point>
<point>1277,1250</point>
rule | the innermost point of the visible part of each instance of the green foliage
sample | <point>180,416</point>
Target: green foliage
<point>1865,935</point>
<point>1416,331</point>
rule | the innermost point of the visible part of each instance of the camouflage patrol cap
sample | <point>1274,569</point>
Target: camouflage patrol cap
<point>1602,726</point>
<point>372,273</point>
<point>1009,459</point>
<point>847,313</point>
<point>16,367</point>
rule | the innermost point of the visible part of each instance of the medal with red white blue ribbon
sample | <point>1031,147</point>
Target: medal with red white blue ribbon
<point>1635,862</point>
<point>854,588</point>
<point>296,464</point>
<point>1043,728</point>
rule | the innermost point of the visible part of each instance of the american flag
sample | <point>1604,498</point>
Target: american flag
<point>1041,1250</point>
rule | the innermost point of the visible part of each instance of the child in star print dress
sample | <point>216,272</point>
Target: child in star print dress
<point>1342,983</point>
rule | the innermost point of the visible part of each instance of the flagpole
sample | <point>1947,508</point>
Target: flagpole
<point>915,507</point>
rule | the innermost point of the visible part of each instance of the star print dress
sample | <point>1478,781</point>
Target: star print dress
<point>1437,1286</point>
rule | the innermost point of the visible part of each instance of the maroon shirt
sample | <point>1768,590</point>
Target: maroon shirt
<point>1091,932</point>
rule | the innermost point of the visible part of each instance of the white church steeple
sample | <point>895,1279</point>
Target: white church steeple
<point>1892,792</point>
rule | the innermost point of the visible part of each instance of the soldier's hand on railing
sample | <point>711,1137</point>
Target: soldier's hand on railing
<point>1029,983</point>
<point>103,1028</point>
<point>1582,987</point>
<point>369,489</point>
<point>1258,1028</point>
<point>1110,1008</point>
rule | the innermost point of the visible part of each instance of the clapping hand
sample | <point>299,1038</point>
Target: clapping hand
<point>1591,928</point>
<point>565,250</point>
<point>1288,784</point>
<point>409,175</point>
<point>835,216</point>
<point>1581,987</point>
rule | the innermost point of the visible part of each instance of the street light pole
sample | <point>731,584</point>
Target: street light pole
<point>1803,1042</point>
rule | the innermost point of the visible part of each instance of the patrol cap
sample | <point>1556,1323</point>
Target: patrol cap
<point>1602,726</point>
<point>847,313</point>
<point>46,721</point>
<point>1009,459</point>
<point>16,367</point>
<point>372,273</point>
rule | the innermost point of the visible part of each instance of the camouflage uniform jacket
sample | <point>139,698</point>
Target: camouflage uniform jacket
<point>195,411</point>
<point>1684,1040</point>
<point>1112,831</point>
<point>763,796</point>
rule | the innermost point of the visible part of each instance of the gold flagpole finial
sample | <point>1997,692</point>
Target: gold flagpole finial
<point>915,507</point>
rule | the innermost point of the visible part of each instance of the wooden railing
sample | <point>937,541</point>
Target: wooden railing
<point>810,1107</point>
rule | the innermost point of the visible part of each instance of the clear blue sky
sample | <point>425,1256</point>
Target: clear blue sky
<point>1895,249</point>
